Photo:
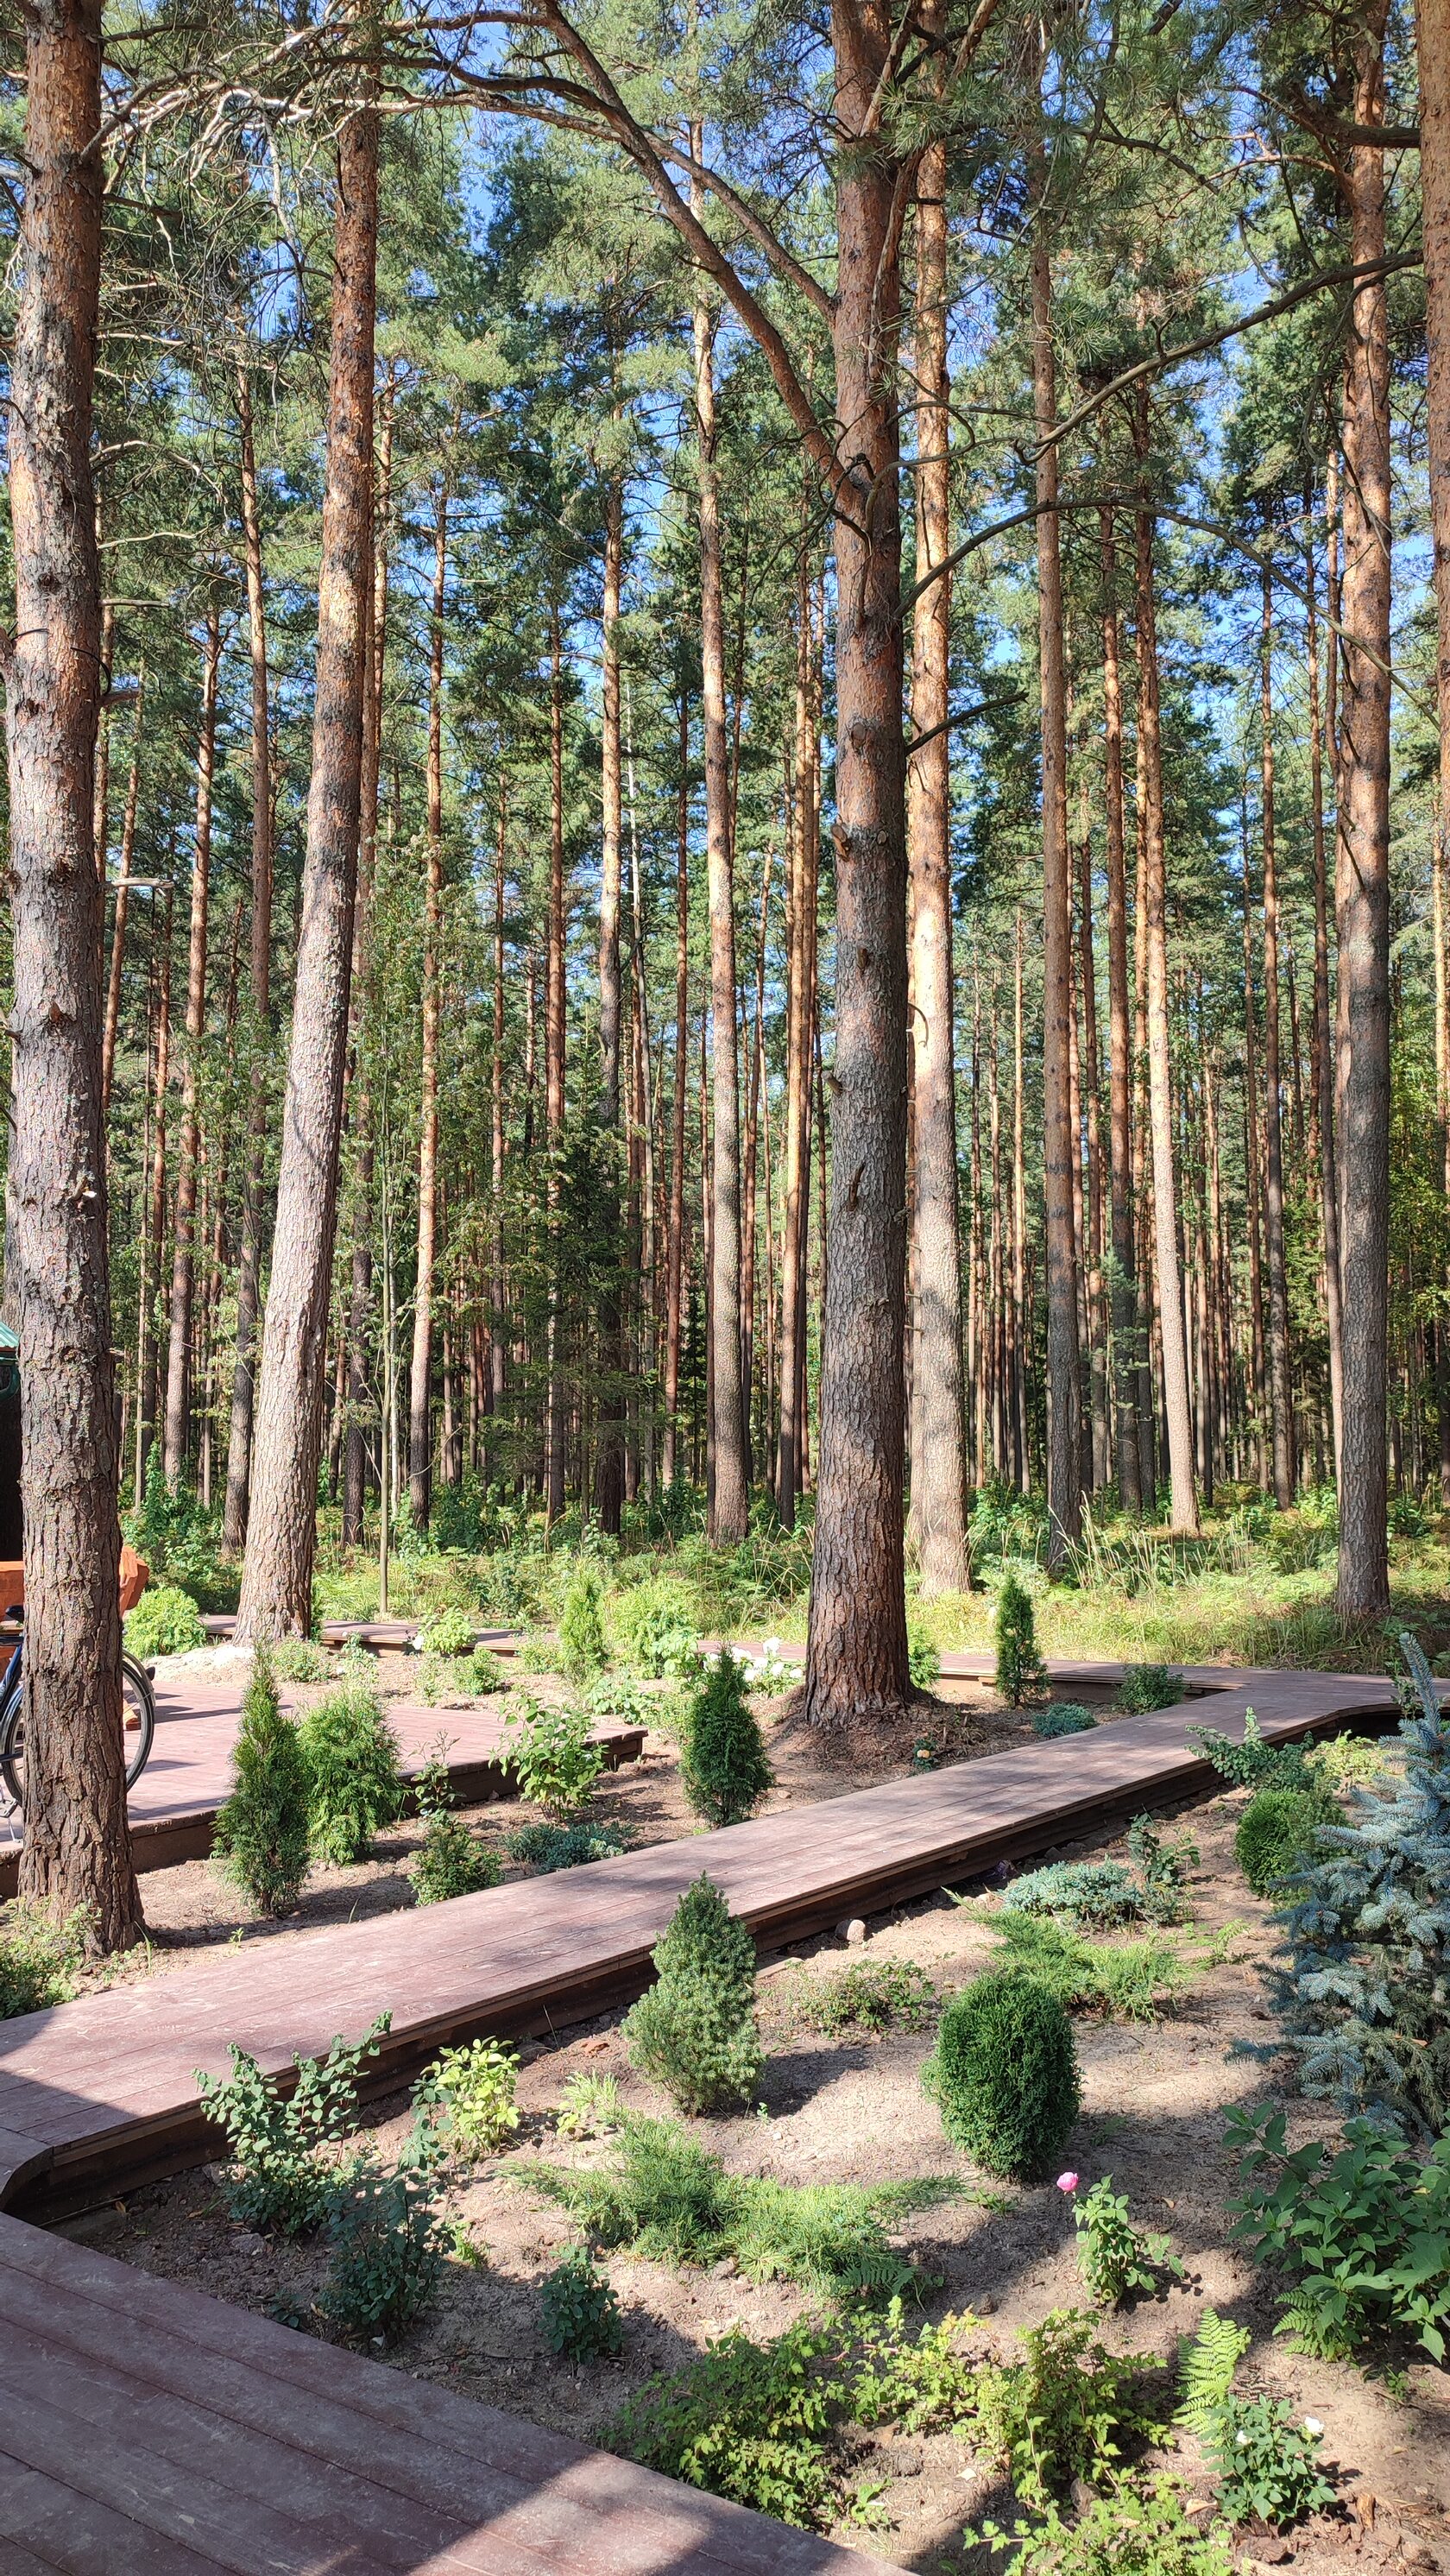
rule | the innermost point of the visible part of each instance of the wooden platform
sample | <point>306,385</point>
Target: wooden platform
<point>174,1804</point>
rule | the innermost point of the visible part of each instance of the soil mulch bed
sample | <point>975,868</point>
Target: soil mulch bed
<point>851,2109</point>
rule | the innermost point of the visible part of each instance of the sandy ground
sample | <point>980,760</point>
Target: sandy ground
<point>853,2109</point>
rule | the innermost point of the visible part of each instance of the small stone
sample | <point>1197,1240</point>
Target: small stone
<point>247,2241</point>
<point>985,2307</point>
<point>1418,2553</point>
<point>854,1932</point>
<point>725,2269</point>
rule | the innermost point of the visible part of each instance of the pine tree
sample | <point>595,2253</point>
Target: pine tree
<point>725,1769</point>
<point>1021,1672</point>
<point>262,1830</point>
<point>694,2031</point>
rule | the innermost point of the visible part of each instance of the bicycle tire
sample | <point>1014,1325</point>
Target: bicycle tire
<point>140,1702</point>
<point>9,1716</point>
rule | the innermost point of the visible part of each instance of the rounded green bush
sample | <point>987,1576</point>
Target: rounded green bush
<point>1277,1828</point>
<point>1005,2074</point>
<point>1065,1717</point>
<point>724,1770</point>
<point>165,1621</point>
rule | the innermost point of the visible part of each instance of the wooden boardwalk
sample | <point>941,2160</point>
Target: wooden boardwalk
<point>174,1803</point>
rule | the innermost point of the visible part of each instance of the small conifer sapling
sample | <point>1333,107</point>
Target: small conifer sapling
<point>695,2031</point>
<point>1021,1672</point>
<point>724,1770</point>
<point>262,1829</point>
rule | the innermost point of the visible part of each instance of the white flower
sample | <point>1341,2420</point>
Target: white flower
<point>1313,2427</point>
<point>1242,2440</point>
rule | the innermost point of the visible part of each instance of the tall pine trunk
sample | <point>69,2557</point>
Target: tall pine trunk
<point>77,1848</point>
<point>554,1035</point>
<point>1281,1400</point>
<point>1123,1292</point>
<point>420,1382</point>
<point>609,1455</point>
<point>123,898</point>
<point>1322,1129</point>
<point>675,1254</point>
<point>183,1259</point>
<point>1432,33</point>
<point>277,1579</point>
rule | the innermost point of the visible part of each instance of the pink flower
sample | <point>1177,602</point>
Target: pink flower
<point>1067,2182</point>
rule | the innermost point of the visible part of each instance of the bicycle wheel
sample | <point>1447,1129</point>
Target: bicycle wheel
<point>138,1706</point>
<point>9,1727</point>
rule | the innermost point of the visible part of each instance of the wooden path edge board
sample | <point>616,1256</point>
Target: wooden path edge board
<point>102,2094</point>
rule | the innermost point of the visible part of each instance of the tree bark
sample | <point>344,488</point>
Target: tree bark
<point>1323,1123</point>
<point>77,1848</point>
<point>938,1425</point>
<point>154,1227</point>
<point>609,1453</point>
<point>123,898</point>
<point>277,1579</point>
<point>1183,1499</point>
<point>554,1036</point>
<point>183,1261</point>
<point>1432,34</point>
<point>799,921</point>
<point>674,1262</point>
<point>1281,1396</point>
<point>856,1661</point>
<point>1362,875</point>
<point>420,1421</point>
<point>1123,1293</point>
<point>497,1296</point>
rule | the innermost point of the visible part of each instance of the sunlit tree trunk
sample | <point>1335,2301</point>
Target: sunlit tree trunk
<point>1323,1141</point>
<point>420,1381</point>
<point>1432,31</point>
<point>154,1227</point>
<point>609,1458</point>
<point>675,1253</point>
<point>799,920</point>
<point>554,1031</point>
<point>1281,1398</point>
<point>183,1262</point>
<point>1123,1292</point>
<point>123,897</point>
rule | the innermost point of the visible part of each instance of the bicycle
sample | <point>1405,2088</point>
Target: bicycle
<point>138,1700</point>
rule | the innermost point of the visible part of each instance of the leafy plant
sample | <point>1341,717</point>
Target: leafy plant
<point>354,1785</point>
<point>1268,2464</point>
<point>923,1656</point>
<point>923,2384</point>
<point>724,1769</point>
<point>695,2030</point>
<point>165,1621</point>
<point>1068,2409</point>
<point>554,1759</point>
<point>1252,1764</point>
<point>550,1847</point>
<point>448,1632</point>
<point>1277,1830</point>
<point>1139,2527</point>
<point>300,1659</point>
<point>869,1995</point>
<point>752,2422</point>
<point>38,1958</point>
<point>590,2107</point>
<point>581,2311</point>
<point>583,1648</point>
<point>1346,1762</point>
<point>1021,1672</point>
<point>656,1632</point>
<point>475,2092</point>
<point>482,1673</point>
<point>453,1860</point>
<point>1145,1687</point>
<point>1004,2074</point>
<point>279,2176</point>
<point>1064,1717</point>
<point>1361,2233</point>
<point>1127,1980</point>
<point>1206,2365</point>
<point>1162,1867</point>
<point>1116,2259</point>
<point>388,2244</point>
<point>262,1831</point>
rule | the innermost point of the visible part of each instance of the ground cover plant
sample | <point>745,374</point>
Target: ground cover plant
<point>453,1860</point>
<point>1117,2260</point>
<point>300,1659</point>
<point>1126,1980</point>
<point>165,1621</point>
<point>262,1835</point>
<point>580,2309</point>
<point>548,1847</point>
<point>1358,2233</point>
<point>870,1995</point>
<point>695,2030</point>
<point>749,2421</point>
<point>39,1959</point>
<point>1138,2527</point>
<point>1062,1717</point>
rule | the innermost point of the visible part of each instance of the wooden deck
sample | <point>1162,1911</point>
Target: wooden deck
<point>174,1803</point>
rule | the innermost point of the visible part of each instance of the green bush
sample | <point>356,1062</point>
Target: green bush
<point>583,1649</point>
<point>354,1785</point>
<point>300,1659</point>
<point>38,1959</point>
<point>1091,1891</point>
<point>262,1833</point>
<point>553,1758</point>
<point>1268,2464</point>
<point>1360,2234</point>
<point>752,2422</point>
<point>1138,2528</point>
<point>1005,2074</point>
<point>453,1860</point>
<point>1068,2409</point>
<point>870,1995</point>
<point>656,1632</point>
<point>474,2086</point>
<point>923,1657</point>
<point>1064,1717</point>
<point>724,1768</point>
<point>1117,2261</point>
<point>1127,1980</point>
<point>483,1673</point>
<point>275,2138</point>
<point>550,1847</point>
<point>1346,1762</point>
<point>1162,1868</point>
<point>590,2107</point>
<point>388,2243</point>
<point>581,2312</point>
<point>1277,1829</point>
<point>1021,1672</point>
<point>448,1632</point>
<point>179,1539</point>
<point>1145,1687</point>
<point>1253,1764</point>
<point>165,1621</point>
<point>695,2030</point>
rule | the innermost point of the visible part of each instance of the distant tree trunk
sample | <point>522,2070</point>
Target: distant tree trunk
<point>675,1255</point>
<point>1432,30</point>
<point>154,1222</point>
<point>609,1452</point>
<point>554,1030</point>
<point>183,1262</point>
<point>1252,1171</point>
<point>799,924</point>
<point>730,1494</point>
<point>1092,1084</point>
<point>856,1663</point>
<point>1363,884</point>
<point>1281,1394</point>
<point>123,898</point>
<point>1184,1501</point>
<point>277,1579</point>
<point>249,1274</point>
<point>1064,1428</point>
<point>498,1307</point>
<point>77,1847</point>
<point>938,1420</point>
<point>1323,1144</point>
<point>1123,1292</point>
<point>420,1420</point>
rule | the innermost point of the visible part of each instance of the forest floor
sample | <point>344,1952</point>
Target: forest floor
<point>851,2108</point>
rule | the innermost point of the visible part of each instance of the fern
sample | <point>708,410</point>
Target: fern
<point>1206,2367</point>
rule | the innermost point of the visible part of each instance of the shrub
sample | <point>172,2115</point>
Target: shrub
<point>1145,1687</point>
<point>1162,1868</point>
<point>1276,1830</point>
<point>590,2108</point>
<point>550,1847</point>
<point>388,2243</point>
<point>279,2177</point>
<point>453,1861</point>
<point>1064,1717</point>
<point>1005,2073</point>
<point>1361,2233</point>
<point>1138,2528</point>
<point>178,1538</point>
<point>261,1830</point>
<point>923,1657</point>
<point>1091,1891</point>
<point>1363,1991</point>
<point>448,1632</point>
<point>656,1632</point>
<point>1252,1764</point>
<point>867,1996</point>
<point>475,2093</point>
<point>482,1673</point>
<point>1117,2261</point>
<point>553,1760</point>
<point>1068,2409</point>
<point>38,1959</point>
<point>1127,1980</point>
<point>752,2422</point>
<point>1349,1762</point>
<point>695,2030</point>
<point>581,2312</point>
<point>300,1659</point>
<point>354,1784</point>
<point>582,1648</point>
<point>724,1769</point>
<point>925,2386</point>
<point>1021,1672</point>
<point>165,1621</point>
<point>1268,2465</point>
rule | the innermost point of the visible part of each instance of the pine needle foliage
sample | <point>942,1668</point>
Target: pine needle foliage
<point>354,1784</point>
<point>583,1647</point>
<point>724,1769</point>
<point>1021,1672</point>
<point>262,1833</point>
<point>1005,2074</point>
<point>695,2031</point>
